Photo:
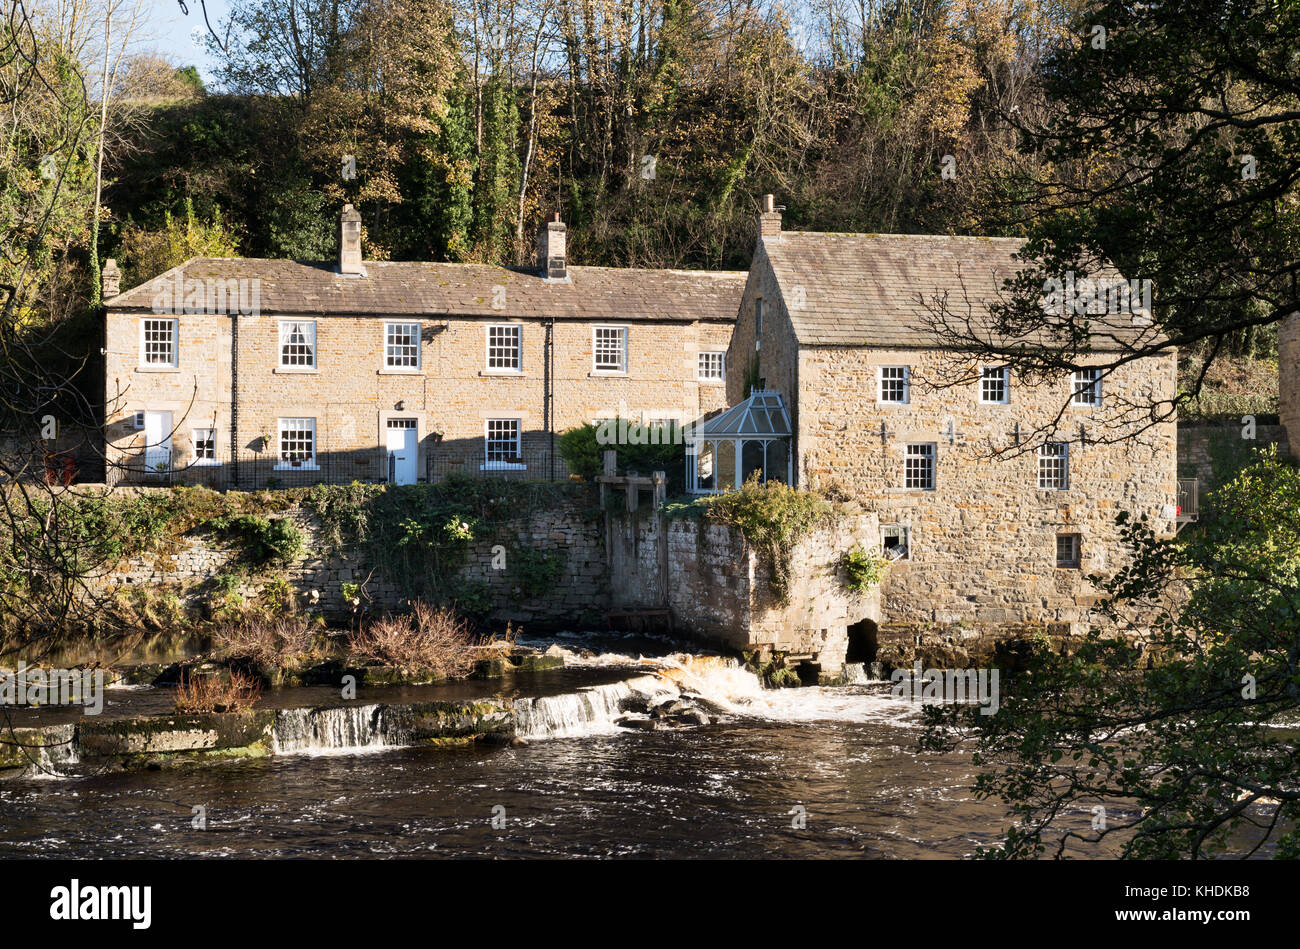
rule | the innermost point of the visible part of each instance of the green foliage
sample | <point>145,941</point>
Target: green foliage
<point>863,570</point>
<point>640,448</point>
<point>535,572</point>
<point>419,535</point>
<point>773,518</point>
<point>146,254</point>
<point>1195,743</point>
<point>264,540</point>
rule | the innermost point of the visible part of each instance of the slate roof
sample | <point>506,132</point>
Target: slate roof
<point>437,289</point>
<point>868,289</point>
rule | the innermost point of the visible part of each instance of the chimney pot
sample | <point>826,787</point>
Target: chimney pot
<point>552,259</point>
<point>350,242</point>
<point>769,222</point>
<point>110,279</point>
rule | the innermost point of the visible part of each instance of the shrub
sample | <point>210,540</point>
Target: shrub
<point>584,454</point>
<point>265,642</point>
<point>536,572</point>
<point>863,570</point>
<point>773,518</point>
<point>424,640</point>
<point>263,540</point>
<point>212,693</point>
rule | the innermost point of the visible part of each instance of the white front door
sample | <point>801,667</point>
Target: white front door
<point>158,441</point>
<point>402,459</point>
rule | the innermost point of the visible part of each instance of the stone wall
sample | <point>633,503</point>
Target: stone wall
<point>188,566</point>
<point>719,588</point>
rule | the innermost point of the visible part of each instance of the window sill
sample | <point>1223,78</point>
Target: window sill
<point>296,468</point>
<point>393,371</point>
<point>607,372</point>
<point>506,373</point>
<point>295,370</point>
<point>501,466</point>
<point>205,464</point>
<point>157,368</point>
<point>712,382</point>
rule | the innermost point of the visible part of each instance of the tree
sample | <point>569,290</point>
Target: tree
<point>1192,756</point>
<point>1170,149</point>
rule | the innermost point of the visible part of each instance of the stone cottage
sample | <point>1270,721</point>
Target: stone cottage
<point>248,372</point>
<point>989,516</point>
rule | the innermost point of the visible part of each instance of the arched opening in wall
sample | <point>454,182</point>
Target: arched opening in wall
<point>863,641</point>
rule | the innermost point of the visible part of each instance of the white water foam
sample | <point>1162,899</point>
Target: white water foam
<point>347,730</point>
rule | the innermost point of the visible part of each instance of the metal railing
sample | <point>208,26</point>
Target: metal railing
<point>265,470</point>
<point>1188,499</point>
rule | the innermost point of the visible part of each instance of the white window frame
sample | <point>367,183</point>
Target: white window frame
<point>309,463</point>
<point>925,451</point>
<point>212,462</point>
<point>1090,389</point>
<point>518,367</point>
<point>285,330</point>
<point>758,323</point>
<point>1003,374</point>
<point>1076,561</point>
<point>1054,466</point>
<point>498,465</point>
<point>390,327</point>
<point>175,343</point>
<point>904,534</point>
<point>880,385</point>
<point>596,367</point>
<point>706,356</point>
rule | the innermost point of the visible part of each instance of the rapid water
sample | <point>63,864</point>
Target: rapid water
<point>811,772</point>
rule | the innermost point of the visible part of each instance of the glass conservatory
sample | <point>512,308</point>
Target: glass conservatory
<point>753,436</point>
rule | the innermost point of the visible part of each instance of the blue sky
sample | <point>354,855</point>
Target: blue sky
<point>170,31</point>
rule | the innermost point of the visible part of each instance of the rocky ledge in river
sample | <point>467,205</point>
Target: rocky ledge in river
<point>663,712</point>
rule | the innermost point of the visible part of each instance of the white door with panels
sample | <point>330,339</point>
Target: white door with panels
<point>403,461</point>
<point>158,441</point>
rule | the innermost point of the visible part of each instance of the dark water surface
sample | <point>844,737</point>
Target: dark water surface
<point>725,790</point>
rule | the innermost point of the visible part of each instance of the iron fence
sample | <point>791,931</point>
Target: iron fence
<point>265,470</point>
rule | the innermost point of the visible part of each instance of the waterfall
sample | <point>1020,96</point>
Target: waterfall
<point>345,730</point>
<point>855,673</point>
<point>57,752</point>
<point>589,711</point>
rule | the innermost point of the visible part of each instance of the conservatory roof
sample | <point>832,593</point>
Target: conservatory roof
<point>762,415</point>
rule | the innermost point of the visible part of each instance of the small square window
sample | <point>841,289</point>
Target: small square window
<point>297,345</point>
<point>205,446</point>
<point>402,345</point>
<point>1087,387</point>
<point>1067,550</point>
<point>1054,466</point>
<point>712,367</point>
<point>893,384</point>
<point>158,343</point>
<point>918,467</point>
<point>896,541</point>
<point>504,348</point>
<point>995,388</point>
<point>610,343</point>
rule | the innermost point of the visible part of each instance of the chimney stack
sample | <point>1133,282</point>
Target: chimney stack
<point>551,259</point>
<point>350,242</point>
<point>110,279</point>
<point>769,222</point>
